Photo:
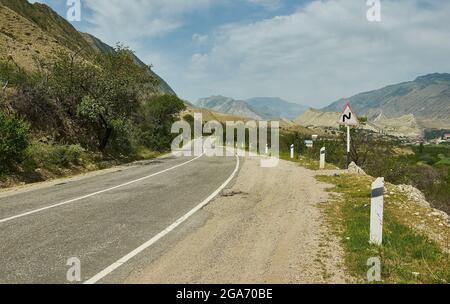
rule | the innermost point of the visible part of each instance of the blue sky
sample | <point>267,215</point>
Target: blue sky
<point>308,52</point>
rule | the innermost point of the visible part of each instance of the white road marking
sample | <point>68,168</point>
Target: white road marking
<point>163,233</point>
<point>95,193</point>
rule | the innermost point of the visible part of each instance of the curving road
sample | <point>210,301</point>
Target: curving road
<point>104,219</point>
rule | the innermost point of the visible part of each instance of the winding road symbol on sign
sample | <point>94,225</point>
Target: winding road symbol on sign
<point>348,118</point>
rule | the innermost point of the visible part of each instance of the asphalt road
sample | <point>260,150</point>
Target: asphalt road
<point>100,218</point>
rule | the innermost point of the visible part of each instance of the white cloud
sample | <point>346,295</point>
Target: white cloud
<point>269,4</point>
<point>326,50</point>
<point>199,64</point>
<point>200,39</point>
<point>118,20</point>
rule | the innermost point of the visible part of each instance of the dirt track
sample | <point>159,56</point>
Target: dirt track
<point>266,229</point>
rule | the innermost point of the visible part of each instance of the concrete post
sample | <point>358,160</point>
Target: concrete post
<point>376,212</point>
<point>322,158</point>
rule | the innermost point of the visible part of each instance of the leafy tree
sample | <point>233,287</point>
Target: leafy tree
<point>120,85</point>
<point>159,113</point>
<point>69,79</point>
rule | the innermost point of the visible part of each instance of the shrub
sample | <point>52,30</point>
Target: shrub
<point>52,157</point>
<point>11,75</point>
<point>14,140</point>
<point>66,155</point>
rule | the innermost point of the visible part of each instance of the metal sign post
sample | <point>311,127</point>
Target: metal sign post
<point>348,118</point>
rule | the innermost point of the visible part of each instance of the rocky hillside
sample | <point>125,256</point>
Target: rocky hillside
<point>316,118</point>
<point>427,98</point>
<point>403,126</point>
<point>32,33</point>
<point>265,108</point>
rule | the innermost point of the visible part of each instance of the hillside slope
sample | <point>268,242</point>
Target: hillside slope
<point>427,98</point>
<point>31,33</point>
<point>316,118</point>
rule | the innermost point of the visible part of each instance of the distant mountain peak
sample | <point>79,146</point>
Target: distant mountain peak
<point>266,108</point>
<point>427,98</point>
<point>228,105</point>
<point>433,77</point>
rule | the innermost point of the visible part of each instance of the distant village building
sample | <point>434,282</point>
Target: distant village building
<point>446,136</point>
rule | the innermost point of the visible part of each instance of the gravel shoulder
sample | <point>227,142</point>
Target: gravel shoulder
<point>267,228</point>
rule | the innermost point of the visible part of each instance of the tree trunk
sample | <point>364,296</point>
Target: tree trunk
<point>105,139</point>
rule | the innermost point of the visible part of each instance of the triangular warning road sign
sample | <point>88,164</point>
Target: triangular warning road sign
<point>348,117</point>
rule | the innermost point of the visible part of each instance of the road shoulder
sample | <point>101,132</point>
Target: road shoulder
<point>266,228</point>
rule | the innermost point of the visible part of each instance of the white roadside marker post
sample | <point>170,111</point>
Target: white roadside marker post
<point>376,212</point>
<point>267,149</point>
<point>292,151</point>
<point>322,158</point>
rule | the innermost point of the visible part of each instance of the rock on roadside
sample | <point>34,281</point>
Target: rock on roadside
<point>414,195</point>
<point>354,169</point>
<point>418,197</point>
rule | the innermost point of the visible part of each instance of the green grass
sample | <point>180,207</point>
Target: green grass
<point>46,161</point>
<point>444,161</point>
<point>407,256</point>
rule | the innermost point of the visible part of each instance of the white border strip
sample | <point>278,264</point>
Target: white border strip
<point>95,193</point>
<point>163,233</point>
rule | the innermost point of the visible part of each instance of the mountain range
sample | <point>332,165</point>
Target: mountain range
<point>427,98</point>
<point>423,103</point>
<point>259,108</point>
<point>274,107</point>
<point>32,33</point>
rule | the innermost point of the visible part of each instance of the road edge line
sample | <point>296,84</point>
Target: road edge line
<point>95,193</point>
<point>108,270</point>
